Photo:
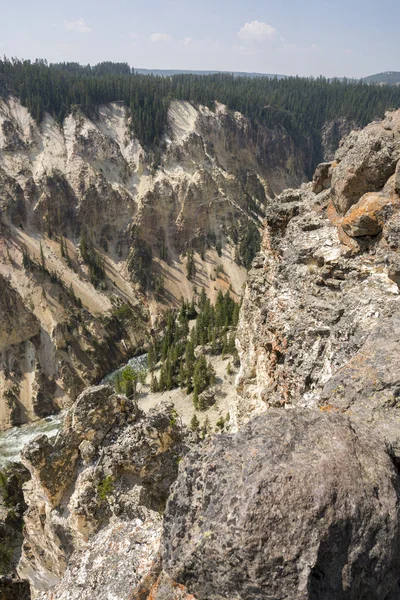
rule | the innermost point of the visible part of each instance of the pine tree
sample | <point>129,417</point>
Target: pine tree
<point>118,383</point>
<point>194,423</point>
<point>151,358</point>
<point>206,426</point>
<point>154,387</point>
<point>190,360</point>
<point>225,349</point>
<point>26,261</point>
<point>162,381</point>
<point>42,258</point>
<point>190,265</point>
<point>200,378</point>
<point>231,343</point>
<point>182,377</point>
<point>235,314</point>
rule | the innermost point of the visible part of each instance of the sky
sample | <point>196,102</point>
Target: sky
<point>351,38</point>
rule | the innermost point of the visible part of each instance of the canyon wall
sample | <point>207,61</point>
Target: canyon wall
<point>75,313</point>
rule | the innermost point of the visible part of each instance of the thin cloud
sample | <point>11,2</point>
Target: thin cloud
<point>256,31</point>
<point>80,26</point>
<point>160,37</point>
<point>187,41</point>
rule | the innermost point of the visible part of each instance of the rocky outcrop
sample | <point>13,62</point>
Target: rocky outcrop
<point>112,563</point>
<point>365,161</point>
<point>367,387</point>
<point>101,483</point>
<point>324,287</point>
<point>322,177</point>
<point>18,323</point>
<point>298,504</point>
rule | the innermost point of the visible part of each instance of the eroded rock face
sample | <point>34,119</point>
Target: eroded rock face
<point>110,466</point>
<point>26,389</point>
<point>18,324</point>
<point>322,177</point>
<point>298,504</point>
<point>302,502</point>
<point>160,586</point>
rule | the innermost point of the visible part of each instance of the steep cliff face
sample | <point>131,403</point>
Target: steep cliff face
<point>93,226</point>
<point>213,163</point>
<point>320,317</point>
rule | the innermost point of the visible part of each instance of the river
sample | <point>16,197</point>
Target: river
<point>13,440</point>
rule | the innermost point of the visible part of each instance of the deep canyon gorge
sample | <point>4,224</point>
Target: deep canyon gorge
<point>107,245</point>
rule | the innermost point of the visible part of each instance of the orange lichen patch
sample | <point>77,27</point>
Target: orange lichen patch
<point>148,581</point>
<point>347,240</point>
<point>328,408</point>
<point>166,588</point>
<point>368,216</point>
<point>333,215</point>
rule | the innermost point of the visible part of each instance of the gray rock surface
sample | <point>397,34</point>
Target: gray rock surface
<point>112,563</point>
<point>368,386</point>
<point>298,504</point>
<point>322,177</point>
<point>75,495</point>
<point>315,294</point>
<point>365,161</point>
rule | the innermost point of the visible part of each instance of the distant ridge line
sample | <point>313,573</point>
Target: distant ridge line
<point>170,72</point>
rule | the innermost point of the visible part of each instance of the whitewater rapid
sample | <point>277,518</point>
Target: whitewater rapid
<point>13,440</point>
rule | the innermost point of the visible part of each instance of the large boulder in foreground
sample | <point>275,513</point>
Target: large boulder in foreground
<point>299,504</point>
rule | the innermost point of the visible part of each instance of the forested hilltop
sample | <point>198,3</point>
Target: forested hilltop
<point>300,105</point>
